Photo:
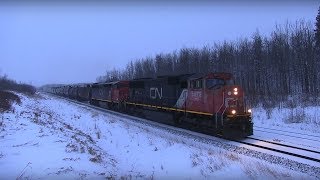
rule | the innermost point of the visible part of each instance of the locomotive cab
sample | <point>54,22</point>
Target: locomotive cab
<point>235,119</point>
<point>217,95</point>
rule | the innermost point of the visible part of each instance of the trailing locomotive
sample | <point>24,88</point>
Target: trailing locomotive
<point>203,101</point>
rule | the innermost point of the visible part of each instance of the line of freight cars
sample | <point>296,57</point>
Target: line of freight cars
<point>209,101</point>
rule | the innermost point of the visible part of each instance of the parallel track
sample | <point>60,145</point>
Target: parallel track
<point>289,135</point>
<point>279,130</point>
<point>282,151</point>
<point>285,145</point>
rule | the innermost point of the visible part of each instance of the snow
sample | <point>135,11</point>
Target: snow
<point>62,139</point>
<point>305,120</point>
<point>288,126</point>
<point>289,138</point>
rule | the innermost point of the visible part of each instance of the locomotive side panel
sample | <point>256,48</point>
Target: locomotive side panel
<point>101,92</point>
<point>136,91</point>
<point>162,92</point>
<point>120,91</point>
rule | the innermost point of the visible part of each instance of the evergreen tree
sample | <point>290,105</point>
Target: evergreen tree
<point>317,30</point>
<point>317,62</point>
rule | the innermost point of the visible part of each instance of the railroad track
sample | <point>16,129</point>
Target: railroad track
<point>283,148</point>
<point>279,130</point>
<point>226,144</point>
<point>285,145</point>
<point>289,134</point>
<point>308,142</point>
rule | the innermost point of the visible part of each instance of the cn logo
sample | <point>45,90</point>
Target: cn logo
<point>154,93</point>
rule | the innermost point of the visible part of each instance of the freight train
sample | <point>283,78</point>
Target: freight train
<point>209,102</point>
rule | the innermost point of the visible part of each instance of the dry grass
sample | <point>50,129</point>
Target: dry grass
<point>94,114</point>
<point>96,159</point>
<point>11,85</point>
<point>112,120</point>
<point>72,148</point>
<point>71,159</point>
<point>1,123</point>
<point>212,161</point>
<point>254,170</point>
<point>64,170</point>
<point>233,157</point>
<point>98,132</point>
<point>6,100</point>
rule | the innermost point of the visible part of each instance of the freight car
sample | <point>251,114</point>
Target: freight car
<point>200,101</point>
<point>84,92</point>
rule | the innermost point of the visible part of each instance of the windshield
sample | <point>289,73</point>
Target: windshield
<point>210,83</point>
<point>230,82</point>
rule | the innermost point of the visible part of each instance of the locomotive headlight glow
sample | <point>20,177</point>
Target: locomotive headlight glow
<point>235,89</point>
<point>249,110</point>
<point>233,112</point>
<point>235,93</point>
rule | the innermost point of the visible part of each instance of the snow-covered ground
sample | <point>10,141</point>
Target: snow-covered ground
<point>301,119</point>
<point>299,126</point>
<point>47,137</point>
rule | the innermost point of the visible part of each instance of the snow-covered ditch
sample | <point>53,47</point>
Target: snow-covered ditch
<point>46,137</point>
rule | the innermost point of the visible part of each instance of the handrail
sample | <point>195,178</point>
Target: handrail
<point>216,115</point>
<point>222,115</point>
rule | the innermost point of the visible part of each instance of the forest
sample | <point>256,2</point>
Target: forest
<point>269,68</point>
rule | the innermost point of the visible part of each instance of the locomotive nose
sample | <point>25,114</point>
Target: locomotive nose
<point>233,91</point>
<point>234,100</point>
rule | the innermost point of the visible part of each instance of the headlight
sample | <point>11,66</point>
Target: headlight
<point>249,110</point>
<point>233,112</point>
<point>235,93</point>
<point>235,89</point>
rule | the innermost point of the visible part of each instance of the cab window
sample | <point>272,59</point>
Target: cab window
<point>211,83</point>
<point>196,84</point>
<point>230,82</point>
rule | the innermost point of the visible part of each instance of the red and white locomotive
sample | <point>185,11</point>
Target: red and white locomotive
<point>205,101</point>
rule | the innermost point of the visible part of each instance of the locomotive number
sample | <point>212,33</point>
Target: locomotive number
<point>196,95</point>
<point>154,93</point>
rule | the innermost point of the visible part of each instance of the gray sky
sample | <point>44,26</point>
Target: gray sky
<point>70,44</point>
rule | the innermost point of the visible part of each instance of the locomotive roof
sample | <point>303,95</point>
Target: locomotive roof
<point>109,83</point>
<point>112,82</point>
<point>220,75</point>
<point>173,76</point>
<point>137,79</point>
<point>106,83</point>
<point>180,76</point>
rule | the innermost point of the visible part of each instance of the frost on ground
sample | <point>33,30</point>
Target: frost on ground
<point>303,119</point>
<point>46,137</point>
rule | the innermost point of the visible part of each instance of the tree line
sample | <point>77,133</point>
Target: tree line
<point>7,84</point>
<point>284,63</point>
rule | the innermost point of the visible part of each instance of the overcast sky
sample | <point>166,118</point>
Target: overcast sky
<point>42,44</point>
